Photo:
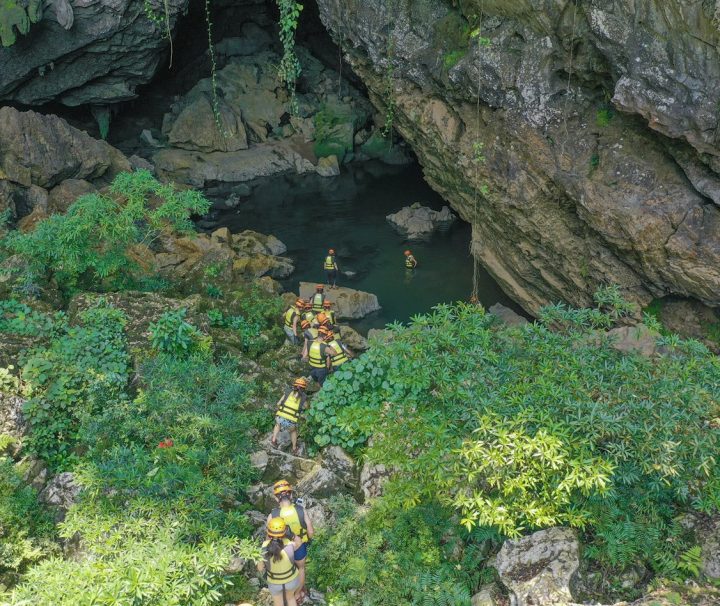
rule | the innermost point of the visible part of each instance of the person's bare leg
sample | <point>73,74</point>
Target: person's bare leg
<point>293,438</point>
<point>301,569</point>
<point>277,599</point>
<point>290,596</point>
<point>276,431</point>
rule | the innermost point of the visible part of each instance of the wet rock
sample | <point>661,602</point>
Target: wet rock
<point>347,302</point>
<point>61,492</point>
<point>507,316</point>
<point>634,339</point>
<point>537,568</point>
<point>328,166</point>
<point>419,222</point>
<point>111,49</point>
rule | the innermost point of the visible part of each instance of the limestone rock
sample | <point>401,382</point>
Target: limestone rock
<point>487,596</point>
<point>328,166</point>
<point>64,194</point>
<point>252,242</point>
<point>60,492</point>
<point>348,303</point>
<point>634,339</point>
<point>537,568</point>
<point>35,472</point>
<point>565,194</point>
<point>352,338</point>
<point>419,222</point>
<point>252,40</point>
<point>45,150</point>
<point>340,463</point>
<point>111,48</point>
<point>709,540</point>
<point>12,421</point>
<point>372,478</point>
<point>319,483</point>
<point>507,316</point>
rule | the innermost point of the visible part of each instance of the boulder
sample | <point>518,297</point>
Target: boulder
<point>251,242</point>
<point>252,40</point>
<point>352,338</point>
<point>347,302</point>
<point>328,166</point>
<point>64,194</point>
<point>507,316</point>
<point>487,596</point>
<point>537,568</point>
<point>61,492</point>
<point>340,463</point>
<point>319,483</point>
<point>109,50</point>
<point>372,478</point>
<point>634,339</point>
<point>419,222</point>
<point>42,150</point>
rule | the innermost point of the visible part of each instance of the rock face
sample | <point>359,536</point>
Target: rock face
<point>61,492</point>
<point>38,153</point>
<point>419,222</point>
<point>565,192</point>
<point>347,302</point>
<point>110,48</point>
<point>537,568</point>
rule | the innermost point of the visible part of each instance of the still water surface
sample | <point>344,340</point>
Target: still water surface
<point>311,214</point>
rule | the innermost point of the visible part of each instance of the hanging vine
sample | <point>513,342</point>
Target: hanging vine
<point>213,73</point>
<point>289,68</point>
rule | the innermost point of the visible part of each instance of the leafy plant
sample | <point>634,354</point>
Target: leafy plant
<point>603,116</point>
<point>289,68</point>
<point>17,17</point>
<point>20,319</point>
<point>173,335</point>
<point>89,245</point>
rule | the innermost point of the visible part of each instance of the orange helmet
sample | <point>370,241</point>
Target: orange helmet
<point>326,333</point>
<point>322,318</point>
<point>331,251</point>
<point>304,324</point>
<point>407,253</point>
<point>276,528</point>
<point>299,303</point>
<point>307,305</point>
<point>327,304</point>
<point>319,287</point>
<point>282,486</point>
<point>300,383</point>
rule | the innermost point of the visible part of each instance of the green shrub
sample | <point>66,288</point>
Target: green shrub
<point>75,376</point>
<point>630,442</point>
<point>173,335</point>
<point>88,246</point>
<point>25,528</point>
<point>20,319</point>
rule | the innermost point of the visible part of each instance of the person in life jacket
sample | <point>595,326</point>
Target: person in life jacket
<point>329,312</point>
<point>279,564</point>
<point>310,334</point>
<point>299,523</point>
<point>307,313</point>
<point>318,299</point>
<point>331,268</point>
<point>290,320</point>
<point>341,353</point>
<point>410,261</point>
<point>322,319</point>
<point>320,355</point>
<point>287,412</point>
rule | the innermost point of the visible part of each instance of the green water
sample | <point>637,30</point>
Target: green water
<point>311,214</point>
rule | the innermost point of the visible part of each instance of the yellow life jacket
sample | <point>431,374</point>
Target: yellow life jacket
<point>340,356</point>
<point>317,302</point>
<point>410,262</point>
<point>290,407</point>
<point>329,263</point>
<point>311,334</point>
<point>317,354</point>
<point>290,316</point>
<point>309,316</point>
<point>330,313</point>
<point>282,571</point>
<point>294,517</point>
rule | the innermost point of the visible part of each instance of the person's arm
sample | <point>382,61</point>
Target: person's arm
<point>308,525</point>
<point>295,321</point>
<point>305,349</point>
<point>348,352</point>
<point>414,262</point>
<point>329,353</point>
<point>276,406</point>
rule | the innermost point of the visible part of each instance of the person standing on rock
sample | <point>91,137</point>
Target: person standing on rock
<point>410,261</point>
<point>294,515</point>
<point>279,563</point>
<point>331,268</point>
<point>291,317</point>
<point>287,414</point>
<point>320,355</point>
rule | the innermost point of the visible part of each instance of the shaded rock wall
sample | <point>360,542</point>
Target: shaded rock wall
<point>598,123</point>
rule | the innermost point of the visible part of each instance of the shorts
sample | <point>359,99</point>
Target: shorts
<point>301,553</point>
<point>285,423</point>
<point>290,334</point>
<point>292,586</point>
<point>319,374</point>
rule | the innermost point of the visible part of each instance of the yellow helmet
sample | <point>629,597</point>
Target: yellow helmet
<point>276,528</point>
<point>281,486</point>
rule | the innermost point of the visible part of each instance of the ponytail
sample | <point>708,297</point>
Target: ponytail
<point>274,550</point>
